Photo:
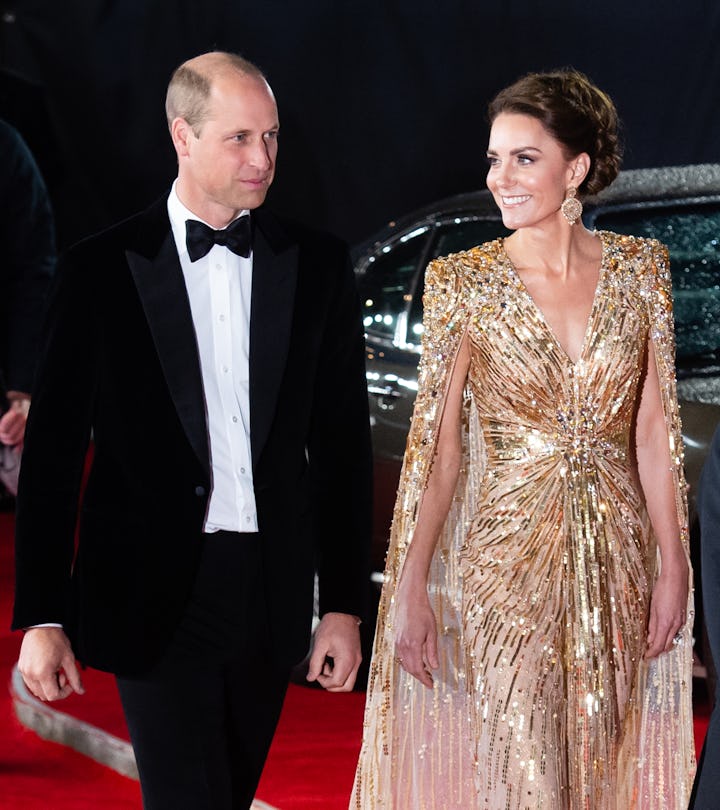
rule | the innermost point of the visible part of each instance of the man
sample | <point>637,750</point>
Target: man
<point>26,269</point>
<point>226,396</point>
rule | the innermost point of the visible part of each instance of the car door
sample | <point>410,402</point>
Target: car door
<point>387,280</point>
<point>391,287</point>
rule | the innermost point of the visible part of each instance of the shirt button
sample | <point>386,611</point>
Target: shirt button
<point>221,318</point>
<point>234,418</point>
<point>218,267</point>
<point>242,470</point>
<point>225,369</point>
<point>199,491</point>
<point>247,519</point>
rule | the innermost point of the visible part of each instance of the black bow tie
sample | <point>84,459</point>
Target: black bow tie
<point>201,237</point>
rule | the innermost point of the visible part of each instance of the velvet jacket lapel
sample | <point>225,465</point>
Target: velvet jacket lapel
<point>159,280</point>
<point>155,267</point>
<point>275,267</point>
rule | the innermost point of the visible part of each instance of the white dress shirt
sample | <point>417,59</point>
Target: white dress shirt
<point>219,286</point>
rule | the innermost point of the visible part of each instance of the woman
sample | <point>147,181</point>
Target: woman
<point>533,647</point>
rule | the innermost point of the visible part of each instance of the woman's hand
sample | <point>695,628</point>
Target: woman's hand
<point>668,604</point>
<point>415,630</point>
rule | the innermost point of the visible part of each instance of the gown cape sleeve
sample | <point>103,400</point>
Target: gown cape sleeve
<point>417,748</point>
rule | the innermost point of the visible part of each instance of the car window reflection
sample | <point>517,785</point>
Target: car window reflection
<point>386,285</point>
<point>463,234</point>
<point>692,234</point>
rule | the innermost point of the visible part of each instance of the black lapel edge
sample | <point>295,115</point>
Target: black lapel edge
<point>161,287</point>
<point>271,317</point>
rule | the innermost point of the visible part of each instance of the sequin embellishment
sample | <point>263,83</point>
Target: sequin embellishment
<point>542,576</point>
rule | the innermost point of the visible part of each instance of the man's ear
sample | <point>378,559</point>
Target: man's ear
<point>181,133</point>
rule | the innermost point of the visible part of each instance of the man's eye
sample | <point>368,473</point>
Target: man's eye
<point>271,136</point>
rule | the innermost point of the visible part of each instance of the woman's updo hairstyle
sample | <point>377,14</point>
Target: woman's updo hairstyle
<point>575,112</point>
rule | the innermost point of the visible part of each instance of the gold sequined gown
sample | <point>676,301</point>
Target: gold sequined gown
<point>543,573</point>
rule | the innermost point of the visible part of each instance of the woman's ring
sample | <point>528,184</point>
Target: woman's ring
<point>677,639</point>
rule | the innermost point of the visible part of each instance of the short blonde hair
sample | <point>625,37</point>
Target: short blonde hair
<point>189,89</point>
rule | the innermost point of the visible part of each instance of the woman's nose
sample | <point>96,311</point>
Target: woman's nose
<point>506,175</point>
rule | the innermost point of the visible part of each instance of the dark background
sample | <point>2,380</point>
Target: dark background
<point>382,104</point>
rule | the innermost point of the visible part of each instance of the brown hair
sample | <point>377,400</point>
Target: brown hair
<point>189,89</point>
<point>575,112</point>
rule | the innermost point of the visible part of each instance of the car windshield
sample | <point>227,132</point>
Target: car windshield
<point>692,234</point>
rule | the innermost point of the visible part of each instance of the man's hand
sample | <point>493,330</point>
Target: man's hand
<point>338,638</point>
<point>12,422</point>
<point>47,664</point>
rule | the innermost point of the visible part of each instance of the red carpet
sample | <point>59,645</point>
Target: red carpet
<point>312,759</point>
<point>310,767</point>
<point>35,774</point>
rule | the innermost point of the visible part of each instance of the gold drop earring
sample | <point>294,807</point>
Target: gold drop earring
<point>571,207</point>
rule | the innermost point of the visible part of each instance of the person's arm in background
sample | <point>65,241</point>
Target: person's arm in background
<point>28,265</point>
<point>708,507</point>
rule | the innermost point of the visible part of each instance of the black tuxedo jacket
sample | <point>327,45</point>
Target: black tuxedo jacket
<point>120,362</point>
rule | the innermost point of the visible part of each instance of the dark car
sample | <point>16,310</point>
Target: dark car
<point>680,206</point>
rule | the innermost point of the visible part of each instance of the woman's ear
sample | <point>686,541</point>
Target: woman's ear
<point>579,168</point>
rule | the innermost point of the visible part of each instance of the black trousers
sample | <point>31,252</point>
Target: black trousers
<point>202,720</point>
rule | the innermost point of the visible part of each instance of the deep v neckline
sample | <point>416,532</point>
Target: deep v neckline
<point>541,315</point>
